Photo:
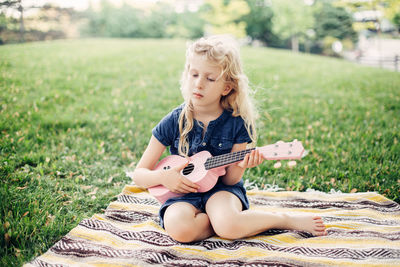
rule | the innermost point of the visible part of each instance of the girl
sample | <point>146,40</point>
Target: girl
<point>217,116</point>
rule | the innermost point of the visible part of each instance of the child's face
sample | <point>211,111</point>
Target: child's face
<point>205,85</point>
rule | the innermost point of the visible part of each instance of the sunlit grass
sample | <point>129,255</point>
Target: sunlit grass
<point>75,115</point>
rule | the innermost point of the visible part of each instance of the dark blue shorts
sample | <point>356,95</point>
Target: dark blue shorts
<point>199,200</point>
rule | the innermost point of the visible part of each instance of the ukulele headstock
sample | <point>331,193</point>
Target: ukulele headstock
<point>283,150</point>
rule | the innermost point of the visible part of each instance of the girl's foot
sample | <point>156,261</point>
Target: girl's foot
<point>310,223</point>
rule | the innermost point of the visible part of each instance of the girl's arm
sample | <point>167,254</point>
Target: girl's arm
<point>146,177</point>
<point>235,172</point>
<point>143,174</point>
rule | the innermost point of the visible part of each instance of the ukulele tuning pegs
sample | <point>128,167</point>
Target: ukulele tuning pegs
<point>277,165</point>
<point>277,144</point>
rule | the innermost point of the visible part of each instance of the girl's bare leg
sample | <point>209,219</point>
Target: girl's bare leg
<point>184,223</point>
<point>229,221</point>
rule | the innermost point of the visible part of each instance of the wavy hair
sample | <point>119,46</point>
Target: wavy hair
<point>224,51</point>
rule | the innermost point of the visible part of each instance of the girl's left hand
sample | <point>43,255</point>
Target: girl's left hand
<point>252,159</point>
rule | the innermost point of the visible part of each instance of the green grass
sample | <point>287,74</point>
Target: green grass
<point>75,115</point>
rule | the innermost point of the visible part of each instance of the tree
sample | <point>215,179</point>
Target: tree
<point>396,21</point>
<point>291,20</point>
<point>392,12</point>
<point>186,24</point>
<point>16,4</point>
<point>259,21</point>
<point>335,22</point>
<point>371,12</point>
<point>223,16</point>
<point>160,21</point>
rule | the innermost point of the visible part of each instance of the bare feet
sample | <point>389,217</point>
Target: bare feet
<point>310,223</point>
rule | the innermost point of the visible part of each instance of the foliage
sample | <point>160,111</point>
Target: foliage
<point>335,22</point>
<point>259,22</point>
<point>389,9</point>
<point>393,12</point>
<point>291,20</point>
<point>277,23</point>
<point>124,21</point>
<point>187,25</point>
<point>129,22</point>
<point>112,22</point>
<point>396,21</point>
<point>76,114</point>
<point>223,17</point>
<point>49,22</point>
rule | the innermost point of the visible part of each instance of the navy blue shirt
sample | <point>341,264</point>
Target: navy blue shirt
<point>219,138</point>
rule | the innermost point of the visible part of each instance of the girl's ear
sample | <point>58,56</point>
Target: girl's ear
<point>227,90</point>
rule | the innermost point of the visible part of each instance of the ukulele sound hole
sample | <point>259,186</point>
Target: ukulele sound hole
<point>188,169</point>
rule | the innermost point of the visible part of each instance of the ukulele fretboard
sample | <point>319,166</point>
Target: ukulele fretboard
<point>226,159</point>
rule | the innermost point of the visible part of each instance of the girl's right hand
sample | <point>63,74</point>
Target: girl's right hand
<point>177,183</point>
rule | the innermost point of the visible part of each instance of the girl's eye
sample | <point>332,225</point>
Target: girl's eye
<point>211,80</point>
<point>195,75</point>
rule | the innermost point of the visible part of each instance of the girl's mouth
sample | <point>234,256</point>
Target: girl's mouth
<point>197,95</point>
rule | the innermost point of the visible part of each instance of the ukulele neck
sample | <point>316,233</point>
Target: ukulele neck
<point>226,159</point>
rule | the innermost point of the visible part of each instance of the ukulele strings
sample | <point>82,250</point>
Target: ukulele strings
<point>225,159</point>
<point>188,169</point>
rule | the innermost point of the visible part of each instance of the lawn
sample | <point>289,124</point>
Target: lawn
<point>76,115</point>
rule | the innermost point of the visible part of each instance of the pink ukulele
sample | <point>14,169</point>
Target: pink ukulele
<point>204,169</point>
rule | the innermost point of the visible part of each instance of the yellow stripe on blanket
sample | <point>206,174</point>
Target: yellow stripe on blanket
<point>363,230</point>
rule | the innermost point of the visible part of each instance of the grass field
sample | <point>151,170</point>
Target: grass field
<point>75,115</point>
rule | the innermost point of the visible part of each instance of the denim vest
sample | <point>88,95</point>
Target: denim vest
<point>219,138</point>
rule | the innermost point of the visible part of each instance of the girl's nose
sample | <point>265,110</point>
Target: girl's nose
<point>199,83</point>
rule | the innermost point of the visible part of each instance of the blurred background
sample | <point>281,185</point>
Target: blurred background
<point>364,31</point>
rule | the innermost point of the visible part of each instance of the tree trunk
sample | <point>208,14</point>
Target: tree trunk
<point>295,43</point>
<point>21,25</point>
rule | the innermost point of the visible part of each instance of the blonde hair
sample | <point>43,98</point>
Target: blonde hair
<point>224,51</point>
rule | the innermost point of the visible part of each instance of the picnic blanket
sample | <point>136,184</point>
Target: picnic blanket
<point>363,230</point>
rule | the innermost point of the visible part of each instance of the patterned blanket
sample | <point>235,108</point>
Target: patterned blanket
<point>363,230</point>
